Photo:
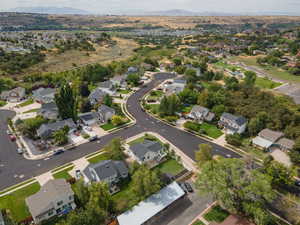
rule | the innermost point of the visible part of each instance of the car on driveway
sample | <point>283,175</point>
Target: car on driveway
<point>188,187</point>
<point>58,151</point>
<point>20,150</point>
<point>93,138</point>
<point>78,174</point>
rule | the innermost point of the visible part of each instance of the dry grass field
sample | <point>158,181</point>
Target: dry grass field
<point>73,58</point>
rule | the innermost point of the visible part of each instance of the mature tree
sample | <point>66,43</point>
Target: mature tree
<point>61,136</point>
<point>177,61</point>
<point>169,105</point>
<point>117,120</point>
<point>145,182</point>
<point>236,188</point>
<point>204,154</point>
<point>295,153</point>
<point>82,194</point>
<point>231,83</point>
<point>114,149</point>
<point>133,79</point>
<point>107,100</point>
<point>188,96</point>
<point>85,105</point>
<point>84,90</point>
<point>234,139</point>
<point>66,102</point>
<point>29,127</point>
<point>250,78</point>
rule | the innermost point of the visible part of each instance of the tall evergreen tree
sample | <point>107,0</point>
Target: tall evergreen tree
<point>66,102</point>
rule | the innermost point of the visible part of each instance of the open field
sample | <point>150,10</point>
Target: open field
<point>274,72</point>
<point>75,58</point>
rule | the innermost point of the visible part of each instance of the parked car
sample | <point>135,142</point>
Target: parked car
<point>188,187</point>
<point>78,174</point>
<point>93,138</point>
<point>20,150</point>
<point>12,137</point>
<point>183,187</point>
<point>8,132</point>
<point>58,151</point>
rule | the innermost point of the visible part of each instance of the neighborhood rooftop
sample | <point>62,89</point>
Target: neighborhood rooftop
<point>140,149</point>
<point>150,207</point>
<point>240,120</point>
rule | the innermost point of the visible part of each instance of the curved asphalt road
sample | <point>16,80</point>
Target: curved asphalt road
<point>14,168</point>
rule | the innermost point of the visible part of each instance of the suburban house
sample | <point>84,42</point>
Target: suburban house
<point>88,118</point>
<point>175,87</point>
<point>49,111</point>
<point>267,139</point>
<point>54,198</point>
<point>105,113</point>
<point>132,69</point>
<point>150,152</point>
<point>119,81</point>
<point>97,96</point>
<point>108,171</point>
<point>149,210</point>
<point>44,95</point>
<point>233,124</point>
<point>107,87</point>
<point>200,113</point>
<point>46,130</point>
<point>14,95</point>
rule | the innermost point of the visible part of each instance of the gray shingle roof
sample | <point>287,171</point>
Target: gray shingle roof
<point>103,109</point>
<point>200,109</point>
<point>140,149</point>
<point>97,94</point>
<point>88,116</point>
<point>51,106</point>
<point>43,200</point>
<point>239,120</point>
<point>106,84</point>
<point>47,129</point>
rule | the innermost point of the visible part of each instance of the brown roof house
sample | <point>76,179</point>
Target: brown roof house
<point>266,138</point>
<point>285,144</point>
<point>54,198</point>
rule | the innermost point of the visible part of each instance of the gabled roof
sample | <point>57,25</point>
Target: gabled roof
<point>107,168</point>
<point>199,109</point>
<point>270,135</point>
<point>140,149</point>
<point>44,92</point>
<point>106,84</point>
<point>42,201</point>
<point>286,143</point>
<point>150,207</point>
<point>103,109</point>
<point>51,106</point>
<point>88,116</point>
<point>97,94</point>
<point>239,120</point>
<point>46,129</point>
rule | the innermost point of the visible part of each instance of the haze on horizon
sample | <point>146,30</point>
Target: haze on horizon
<point>134,6</point>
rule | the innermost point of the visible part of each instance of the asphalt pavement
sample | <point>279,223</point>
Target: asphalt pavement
<point>14,168</point>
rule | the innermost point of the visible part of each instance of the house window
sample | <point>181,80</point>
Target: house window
<point>70,197</point>
<point>59,203</point>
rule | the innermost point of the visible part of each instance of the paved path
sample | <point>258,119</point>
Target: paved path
<point>18,169</point>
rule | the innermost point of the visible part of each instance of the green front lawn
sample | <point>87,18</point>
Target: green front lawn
<point>98,158</point>
<point>15,202</point>
<point>26,103</point>
<point>142,139</point>
<point>216,214</point>
<point>2,103</point>
<point>108,126</point>
<point>64,174</point>
<point>170,166</point>
<point>198,222</point>
<point>211,130</point>
<point>187,109</point>
<point>124,92</point>
<point>266,83</point>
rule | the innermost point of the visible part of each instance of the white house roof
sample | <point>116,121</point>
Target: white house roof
<point>148,208</point>
<point>264,143</point>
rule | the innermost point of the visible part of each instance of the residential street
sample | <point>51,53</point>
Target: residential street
<point>14,168</point>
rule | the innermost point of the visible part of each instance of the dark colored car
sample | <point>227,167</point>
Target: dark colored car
<point>94,138</point>
<point>58,152</point>
<point>188,187</point>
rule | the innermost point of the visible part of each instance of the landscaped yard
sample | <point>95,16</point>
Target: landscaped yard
<point>108,126</point>
<point>98,158</point>
<point>2,103</point>
<point>26,103</point>
<point>123,92</point>
<point>15,202</point>
<point>63,174</point>
<point>142,139</point>
<point>170,166</point>
<point>198,222</point>
<point>266,83</point>
<point>216,214</point>
<point>187,109</point>
<point>211,130</point>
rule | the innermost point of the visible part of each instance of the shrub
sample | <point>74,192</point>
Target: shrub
<point>216,214</point>
<point>171,119</point>
<point>234,140</point>
<point>192,126</point>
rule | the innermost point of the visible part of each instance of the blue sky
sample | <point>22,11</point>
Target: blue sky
<point>108,6</point>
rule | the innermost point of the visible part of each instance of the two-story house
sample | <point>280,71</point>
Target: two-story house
<point>14,95</point>
<point>46,130</point>
<point>97,96</point>
<point>44,95</point>
<point>200,114</point>
<point>233,124</point>
<point>149,152</point>
<point>105,113</point>
<point>55,197</point>
<point>109,171</point>
<point>49,111</point>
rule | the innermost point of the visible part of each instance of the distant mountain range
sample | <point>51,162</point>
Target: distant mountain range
<point>50,10</point>
<point>173,12</point>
